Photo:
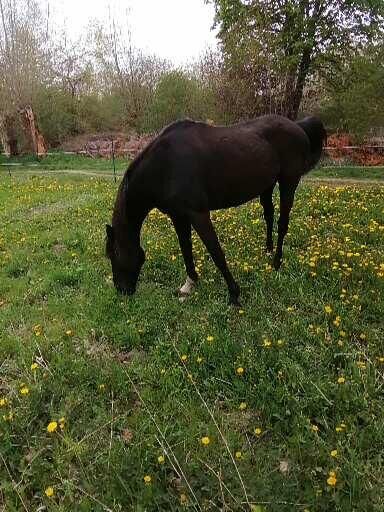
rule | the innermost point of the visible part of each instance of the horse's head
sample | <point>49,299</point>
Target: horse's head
<point>126,259</point>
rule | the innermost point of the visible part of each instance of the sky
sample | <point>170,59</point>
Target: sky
<point>178,30</point>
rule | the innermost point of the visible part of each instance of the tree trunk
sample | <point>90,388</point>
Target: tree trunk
<point>296,94</point>
<point>8,135</point>
<point>32,132</point>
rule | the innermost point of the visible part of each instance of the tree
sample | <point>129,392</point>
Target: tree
<point>354,101</point>
<point>277,44</point>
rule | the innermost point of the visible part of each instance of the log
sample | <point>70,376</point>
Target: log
<point>32,132</point>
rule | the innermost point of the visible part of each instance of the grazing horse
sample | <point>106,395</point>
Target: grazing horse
<point>191,168</point>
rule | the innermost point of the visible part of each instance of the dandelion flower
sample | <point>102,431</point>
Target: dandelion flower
<point>183,499</point>
<point>314,428</point>
<point>334,453</point>
<point>3,402</point>
<point>147,479</point>
<point>184,358</point>
<point>242,406</point>
<point>341,380</point>
<point>258,431</point>
<point>49,492</point>
<point>24,390</point>
<point>52,427</point>
<point>238,455</point>
<point>240,370</point>
<point>205,441</point>
<point>34,366</point>
<point>328,310</point>
<point>210,338</point>
<point>161,459</point>
<point>332,480</point>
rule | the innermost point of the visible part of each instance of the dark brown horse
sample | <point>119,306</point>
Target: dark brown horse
<point>192,168</point>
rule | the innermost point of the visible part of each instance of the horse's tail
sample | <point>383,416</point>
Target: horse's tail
<point>317,135</point>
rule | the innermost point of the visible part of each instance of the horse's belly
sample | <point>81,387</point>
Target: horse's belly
<point>227,195</point>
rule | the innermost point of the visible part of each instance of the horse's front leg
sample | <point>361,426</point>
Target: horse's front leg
<point>182,226</point>
<point>267,204</point>
<point>287,196</point>
<point>203,225</point>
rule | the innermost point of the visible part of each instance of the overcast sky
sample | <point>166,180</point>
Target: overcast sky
<point>178,30</point>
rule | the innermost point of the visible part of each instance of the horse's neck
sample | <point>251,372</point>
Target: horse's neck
<point>130,213</point>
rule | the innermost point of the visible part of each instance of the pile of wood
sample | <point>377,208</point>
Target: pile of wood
<point>342,149</point>
<point>101,145</point>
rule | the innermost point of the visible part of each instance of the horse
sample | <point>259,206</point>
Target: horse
<point>192,168</point>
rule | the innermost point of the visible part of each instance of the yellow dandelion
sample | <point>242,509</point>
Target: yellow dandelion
<point>183,499</point>
<point>24,390</point>
<point>332,480</point>
<point>328,310</point>
<point>242,406</point>
<point>184,358</point>
<point>3,402</point>
<point>147,479</point>
<point>52,427</point>
<point>240,370</point>
<point>161,459</point>
<point>205,441</point>
<point>69,332</point>
<point>334,453</point>
<point>258,431</point>
<point>199,360</point>
<point>238,455</point>
<point>341,380</point>
<point>210,338</point>
<point>34,366</point>
<point>49,492</point>
<point>314,428</point>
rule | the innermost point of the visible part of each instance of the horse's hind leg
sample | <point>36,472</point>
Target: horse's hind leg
<point>183,230</point>
<point>269,210</point>
<point>287,196</point>
<point>203,225</point>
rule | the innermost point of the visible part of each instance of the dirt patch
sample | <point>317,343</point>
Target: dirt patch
<point>100,144</point>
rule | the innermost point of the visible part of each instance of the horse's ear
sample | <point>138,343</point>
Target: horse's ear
<point>110,234</point>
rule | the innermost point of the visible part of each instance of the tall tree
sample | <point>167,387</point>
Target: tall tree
<point>277,44</point>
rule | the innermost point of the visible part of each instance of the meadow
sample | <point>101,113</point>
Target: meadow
<point>145,403</point>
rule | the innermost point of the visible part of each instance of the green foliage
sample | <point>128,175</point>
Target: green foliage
<point>275,46</point>
<point>356,103</point>
<point>176,96</point>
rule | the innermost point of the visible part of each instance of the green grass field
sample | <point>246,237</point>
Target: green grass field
<point>61,161</point>
<point>148,404</point>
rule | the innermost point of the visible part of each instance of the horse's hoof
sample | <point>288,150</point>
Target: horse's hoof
<point>276,264</point>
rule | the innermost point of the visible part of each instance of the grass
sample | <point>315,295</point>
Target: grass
<point>62,161</point>
<point>350,172</point>
<point>123,381</point>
